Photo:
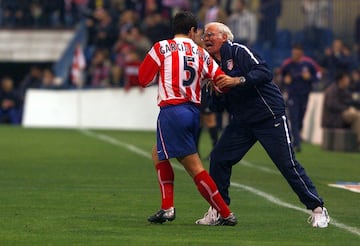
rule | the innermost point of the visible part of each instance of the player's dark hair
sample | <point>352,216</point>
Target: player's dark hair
<point>298,46</point>
<point>183,22</point>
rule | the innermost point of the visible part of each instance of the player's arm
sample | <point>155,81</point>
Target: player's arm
<point>148,70</point>
<point>215,74</point>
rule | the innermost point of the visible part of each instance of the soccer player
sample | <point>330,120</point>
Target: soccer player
<point>299,73</point>
<point>179,66</point>
<point>257,112</point>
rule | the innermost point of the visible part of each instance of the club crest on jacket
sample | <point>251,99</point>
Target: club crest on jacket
<point>230,64</point>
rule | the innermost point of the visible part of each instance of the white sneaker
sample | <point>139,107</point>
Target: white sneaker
<point>211,217</point>
<point>319,219</point>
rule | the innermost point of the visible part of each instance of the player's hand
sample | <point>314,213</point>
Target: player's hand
<point>287,79</point>
<point>306,75</point>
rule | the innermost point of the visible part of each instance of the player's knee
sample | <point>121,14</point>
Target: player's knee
<point>154,155</point>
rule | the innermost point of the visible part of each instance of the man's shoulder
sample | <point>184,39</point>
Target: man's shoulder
<point>233,47</point>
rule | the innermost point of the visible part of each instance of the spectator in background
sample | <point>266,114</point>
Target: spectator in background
<point>99,71</point>
<point>63,12</point>
<point>211,11</point>
<point>40,13</point>
<point>48,80</point>
<point>10,103</point>
<point>71,11</point>
<point>318,14</point>
<point>32,80</point>
<point>140,42</point>
<point>122,51</point>
<point>125,44</point>
<point>156,28</point>
<point>298,75</point>
<point>357,34</point>
<point>117,8</point>
<point>338,109</point>
<point>37,15</point>
<point>54,11</point>
<point>1,16</point>
<point>15,13</point>
<point>269,12</point>
<point>131,70</point>
<point>117,76</point>
<point>144,8</point>
<point>243,23</point>
<point>105,36</point>
<point>355,81</point>
<point>127,19</point>
<point>350,58</point>
<point>99,4</point>
<point>102,33</point>
<point>336,59</point>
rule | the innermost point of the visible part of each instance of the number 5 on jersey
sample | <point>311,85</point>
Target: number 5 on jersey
<point>189,70</point>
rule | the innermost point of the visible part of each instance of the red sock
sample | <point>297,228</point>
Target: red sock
<point>209,191</point>
<point>165,176</point>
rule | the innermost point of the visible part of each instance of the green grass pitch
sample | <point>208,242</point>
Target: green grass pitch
<point>72,187</point>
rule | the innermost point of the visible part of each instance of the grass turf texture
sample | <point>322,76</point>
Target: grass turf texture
<point>62,187</point>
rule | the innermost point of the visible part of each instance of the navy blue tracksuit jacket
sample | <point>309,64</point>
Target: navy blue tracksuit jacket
<point>257,113</point>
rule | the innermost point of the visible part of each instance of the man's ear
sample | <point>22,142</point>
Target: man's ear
<point>224,37</point>
<point>192,33</point>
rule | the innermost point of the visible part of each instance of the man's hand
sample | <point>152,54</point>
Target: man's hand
<point>224,81</point>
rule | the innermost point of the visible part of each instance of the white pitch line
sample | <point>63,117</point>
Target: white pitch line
<point>266,196</point>
<point>116,142</point>
<point>281,203</point>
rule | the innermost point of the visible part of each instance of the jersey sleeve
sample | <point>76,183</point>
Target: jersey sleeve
<point>211,68</point>
<point>149,68</point>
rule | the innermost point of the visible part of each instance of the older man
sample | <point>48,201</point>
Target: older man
<point>257,112</point>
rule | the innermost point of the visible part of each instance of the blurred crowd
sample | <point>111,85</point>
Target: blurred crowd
<point>120,32</point>
<point>40,13</point>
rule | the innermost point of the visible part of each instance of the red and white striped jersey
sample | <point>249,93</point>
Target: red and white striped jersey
<point>180,67</point>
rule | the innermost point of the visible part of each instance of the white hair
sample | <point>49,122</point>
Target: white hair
<point>222,28</point>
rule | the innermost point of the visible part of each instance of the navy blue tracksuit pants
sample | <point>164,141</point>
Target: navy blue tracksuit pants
<point>274,136</point>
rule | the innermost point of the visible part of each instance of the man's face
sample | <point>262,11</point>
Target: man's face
<point>213,40</point>
<point>297,54</point>
<point>345,82</point>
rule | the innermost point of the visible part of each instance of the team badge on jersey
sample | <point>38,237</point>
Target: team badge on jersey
<point>230,64</point>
